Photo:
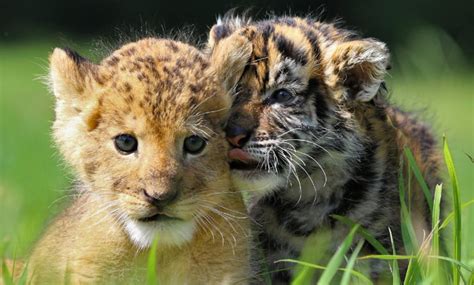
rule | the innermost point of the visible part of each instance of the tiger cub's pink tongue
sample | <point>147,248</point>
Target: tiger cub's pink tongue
<point>239,154</point>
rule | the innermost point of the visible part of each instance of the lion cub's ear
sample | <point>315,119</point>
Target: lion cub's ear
<point>359,66</point>
<point>70,74</point>
<point>73,80</point>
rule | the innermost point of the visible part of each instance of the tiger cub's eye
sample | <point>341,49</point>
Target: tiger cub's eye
<point>125,143</point>
<point>282,96</point>
<point>194,144</point>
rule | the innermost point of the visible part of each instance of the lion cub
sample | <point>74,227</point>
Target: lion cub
<point>143,132</point>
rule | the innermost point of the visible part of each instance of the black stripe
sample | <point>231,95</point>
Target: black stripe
<point>320,104</point>
<point>279,124</point>
<point>285,209</point>
<point>313,39</point>
<point>288,49</point>
<point>296,113</point>
<point>357,188</point>
<point>266,33</point>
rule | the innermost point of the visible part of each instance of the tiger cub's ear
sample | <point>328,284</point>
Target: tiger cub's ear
<point>225,27</point>
<point>359,66</point>
<point>229,58</point>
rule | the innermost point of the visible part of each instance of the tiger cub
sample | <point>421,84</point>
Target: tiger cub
<point>313,135</point>
<point>143,131</point>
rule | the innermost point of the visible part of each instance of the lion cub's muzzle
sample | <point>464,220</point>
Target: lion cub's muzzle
<point>159,201</point>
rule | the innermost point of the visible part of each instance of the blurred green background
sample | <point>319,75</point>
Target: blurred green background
<point>433,75</point>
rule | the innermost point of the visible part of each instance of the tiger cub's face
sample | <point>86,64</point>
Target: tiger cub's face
<point>292,103</point>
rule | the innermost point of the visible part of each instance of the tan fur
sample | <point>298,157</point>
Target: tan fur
<point>160,91</point>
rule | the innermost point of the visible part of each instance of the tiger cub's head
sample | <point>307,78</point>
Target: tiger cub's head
<point>292,105</point>
<point>143,130</point>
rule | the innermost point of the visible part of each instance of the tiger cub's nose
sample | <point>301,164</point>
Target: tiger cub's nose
<point>237,136</point>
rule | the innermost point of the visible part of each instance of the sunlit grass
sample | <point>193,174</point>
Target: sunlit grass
<point>151,264</point>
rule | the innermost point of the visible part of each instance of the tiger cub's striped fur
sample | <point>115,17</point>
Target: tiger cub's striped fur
<point>314,135</point>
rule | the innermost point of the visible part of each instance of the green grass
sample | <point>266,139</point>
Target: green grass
<point>33,178</point>
<point>457,211</point>
<point>151,273</point>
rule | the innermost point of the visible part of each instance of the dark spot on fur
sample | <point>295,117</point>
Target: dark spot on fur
<point>149,59</point>
<point>128,52</point>
<point>195,88</point>
<point>129,99</point>
<point>163,58</point>
<point>135,66</point>
<point>127,87</point>
<point>172,45</point>
<point>113,61</point>
<point>141,76</point>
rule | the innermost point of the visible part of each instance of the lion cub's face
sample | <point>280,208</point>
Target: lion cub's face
<point>143,131</point>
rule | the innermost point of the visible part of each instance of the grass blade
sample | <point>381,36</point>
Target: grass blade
<point>24,275</point>
<point>337,258</point>
<point>450,216</point>
<point>405,257</point>
<point>387,257</point>
<point>311,253</point>
<point>433,266</point>
<point>151,264</point>
<point>395,267</point>
<point>408,233</point>
<point>316,266</point>
<point>457,209</point>
<point>363,232</point>
<point>346,277</point>
<point>453,261</point>
<point>6,276</point>
<point>419,177</point>
<point>410,241</point>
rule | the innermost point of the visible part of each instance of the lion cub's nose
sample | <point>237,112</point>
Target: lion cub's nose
<point>160,200</point>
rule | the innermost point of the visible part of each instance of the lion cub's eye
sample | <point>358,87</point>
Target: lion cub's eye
<point>194,144</point>
<point>126,143</point>
<point>282,96</point>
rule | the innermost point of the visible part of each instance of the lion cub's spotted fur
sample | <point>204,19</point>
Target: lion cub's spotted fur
<point>161,92</point>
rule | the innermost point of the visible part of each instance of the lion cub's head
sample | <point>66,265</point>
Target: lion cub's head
<point>143,132</point>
